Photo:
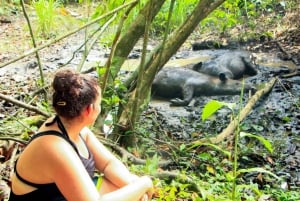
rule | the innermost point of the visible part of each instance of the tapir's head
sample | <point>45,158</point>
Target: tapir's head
<point>197,66</point>
<point>228,86</point>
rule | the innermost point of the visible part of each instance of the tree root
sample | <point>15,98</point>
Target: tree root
<point>127,156</point>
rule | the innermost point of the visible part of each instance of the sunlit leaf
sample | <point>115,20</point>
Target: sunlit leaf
<point>210,169</point>
<point>212,106</point>
<point>182,147</point>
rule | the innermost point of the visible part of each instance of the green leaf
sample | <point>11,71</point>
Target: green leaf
<point>257,169</point>
<point>216,147</point>
<point>212,106</point>
<point>263,140</point>
<point>182,147</point>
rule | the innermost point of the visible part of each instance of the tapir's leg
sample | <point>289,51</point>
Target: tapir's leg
<point>187,94</point>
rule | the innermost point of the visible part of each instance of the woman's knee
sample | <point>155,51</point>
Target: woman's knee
<point>107,186</point>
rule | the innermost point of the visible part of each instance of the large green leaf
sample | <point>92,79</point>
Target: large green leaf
<point>212,106</point>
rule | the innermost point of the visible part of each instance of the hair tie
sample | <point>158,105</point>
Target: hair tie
<point>61,103</point>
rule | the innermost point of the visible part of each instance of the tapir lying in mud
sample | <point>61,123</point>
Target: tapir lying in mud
<point>232,65</point>
<point>182,84</point>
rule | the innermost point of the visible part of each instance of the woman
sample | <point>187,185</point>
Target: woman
<point>59,162</point>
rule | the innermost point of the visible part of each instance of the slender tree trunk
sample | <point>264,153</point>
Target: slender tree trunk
<point>133,34</point>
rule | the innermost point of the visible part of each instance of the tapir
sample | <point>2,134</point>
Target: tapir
<point>232,65</point>
<point>181,85</point>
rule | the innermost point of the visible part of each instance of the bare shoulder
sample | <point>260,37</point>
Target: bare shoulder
<point>48,145</point>
<point>85,132</point>
<point>44,157</point>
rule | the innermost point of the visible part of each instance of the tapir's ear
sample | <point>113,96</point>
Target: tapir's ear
<point>197,66</point>
<point>222,77</point>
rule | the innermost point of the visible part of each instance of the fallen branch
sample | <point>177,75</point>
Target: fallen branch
<point>124,154</point>
<point>23,142</point>
<point>24,105</point>
<point>292,74</point>
<point>244,112</point>
<point>128,156</point>
<point>289,56</point>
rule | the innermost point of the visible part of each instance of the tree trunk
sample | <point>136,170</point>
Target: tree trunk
<point>132,35</point>
<point>157,60</point>
<point>124,46</point>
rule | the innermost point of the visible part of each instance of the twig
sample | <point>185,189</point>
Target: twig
<point>128,156</point>
<point>24,105</point>
<point>88,48</point>
<point>295,73</point>
<point>24,142</point>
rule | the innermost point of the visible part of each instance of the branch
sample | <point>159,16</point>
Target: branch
<point>24,105</point>
<point>113,48</point>
<point>128,156</point>
<point>33,42</point>
<point>23,142</point>
<point>244,112</point>
<point>91,44</point>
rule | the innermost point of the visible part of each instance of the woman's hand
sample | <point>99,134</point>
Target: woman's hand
<point>144,198</point>
<point>148,195</point>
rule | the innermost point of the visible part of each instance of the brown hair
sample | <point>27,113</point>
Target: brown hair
<point>73,92</point>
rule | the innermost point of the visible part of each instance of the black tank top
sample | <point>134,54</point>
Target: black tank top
<point>50,192</point>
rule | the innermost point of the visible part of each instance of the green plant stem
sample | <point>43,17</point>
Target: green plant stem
<point>114,45</point>
<point>136,101</point>
<point>88,46</point>
<point>34,45</point>
<point>86,51</point>
<point>236,140</point>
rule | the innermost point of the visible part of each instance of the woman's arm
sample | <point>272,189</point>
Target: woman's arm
<point>113,169</point>
<point>59,162</point>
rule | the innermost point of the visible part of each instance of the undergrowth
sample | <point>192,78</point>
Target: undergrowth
<point>209,172</point>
